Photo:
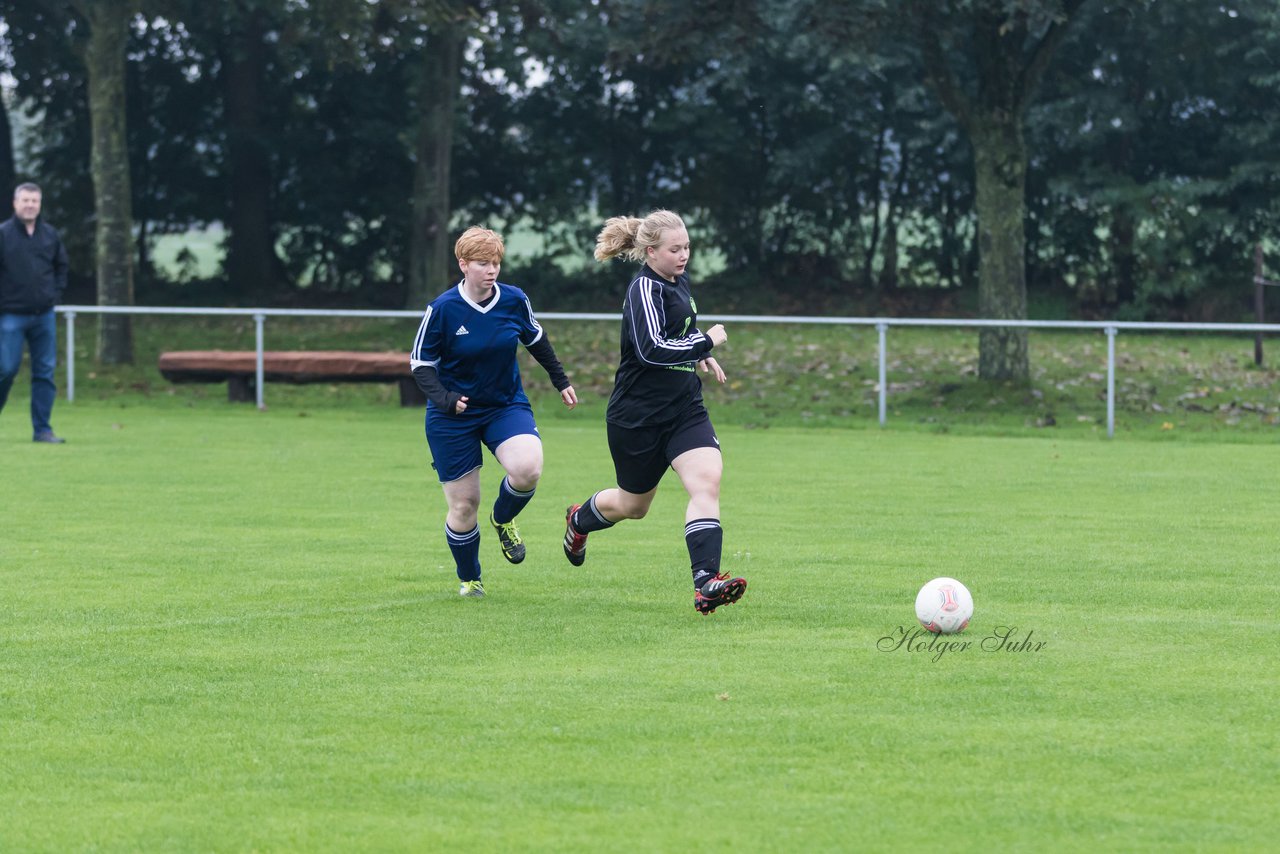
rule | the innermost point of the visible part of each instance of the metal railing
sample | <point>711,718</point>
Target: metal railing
<point>1111,328</point>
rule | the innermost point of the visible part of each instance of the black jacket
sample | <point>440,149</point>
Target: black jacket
<point>33,268</point>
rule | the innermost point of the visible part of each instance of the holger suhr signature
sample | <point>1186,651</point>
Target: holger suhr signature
<point>918,640</point>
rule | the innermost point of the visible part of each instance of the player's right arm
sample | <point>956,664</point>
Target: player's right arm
<point>424,362</point>
<point>645,322</point>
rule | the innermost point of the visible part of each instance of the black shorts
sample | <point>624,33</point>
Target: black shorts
<point>642,455</point>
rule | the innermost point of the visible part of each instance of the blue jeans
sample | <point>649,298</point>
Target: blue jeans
<point>40,333</point>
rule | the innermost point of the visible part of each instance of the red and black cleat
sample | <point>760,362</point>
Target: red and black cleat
<point>575,544</point>
<point>721,590</point>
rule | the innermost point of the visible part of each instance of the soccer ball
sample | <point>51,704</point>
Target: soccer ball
<point>944,606</point>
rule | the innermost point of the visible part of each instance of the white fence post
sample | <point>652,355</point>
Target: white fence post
<point>71,356</point>
<point>883,329</point>
<point>1111,381</point>
<point>258,320</point>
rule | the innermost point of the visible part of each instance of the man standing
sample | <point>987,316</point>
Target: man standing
<point>33,275</point>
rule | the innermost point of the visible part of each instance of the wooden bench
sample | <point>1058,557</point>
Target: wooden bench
<point>239,369</point>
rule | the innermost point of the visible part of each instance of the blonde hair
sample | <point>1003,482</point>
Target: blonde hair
<point>630,237</point>
<point>479,244</point>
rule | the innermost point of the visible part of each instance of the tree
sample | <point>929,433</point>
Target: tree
<point>174,163</point>
<point>799,157</point>
<point>344,143</point>
<point>48,68</point>
<point>1159,167</point>
<point>8,170</point>
<point>252,266</point>
<point>104,58</point>
<point>430,243</point>
<point>985,60</point>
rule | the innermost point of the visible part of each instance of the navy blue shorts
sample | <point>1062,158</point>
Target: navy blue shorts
<point>455,439</point>
<point>642,455</point>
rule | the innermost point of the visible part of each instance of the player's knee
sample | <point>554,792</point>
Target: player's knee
<point>464,508</point>
<point>704,486</point>
<point>525,476</point>
<point>636,509</point>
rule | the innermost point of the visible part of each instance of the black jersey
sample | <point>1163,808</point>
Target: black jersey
<point>657,380</point>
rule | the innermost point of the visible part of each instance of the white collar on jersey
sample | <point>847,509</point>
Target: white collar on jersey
<point>483,309</point>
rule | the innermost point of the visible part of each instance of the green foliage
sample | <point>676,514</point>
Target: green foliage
<point>799,138</point>
<point>1158,170</point>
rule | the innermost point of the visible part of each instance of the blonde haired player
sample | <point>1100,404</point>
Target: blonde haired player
<point>656,419</point>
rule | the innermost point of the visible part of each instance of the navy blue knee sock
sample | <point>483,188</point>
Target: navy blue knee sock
<point>510,502</point>
<point>466,552</point>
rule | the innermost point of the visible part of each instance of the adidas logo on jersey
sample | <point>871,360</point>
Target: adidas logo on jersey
<point>462,330</point>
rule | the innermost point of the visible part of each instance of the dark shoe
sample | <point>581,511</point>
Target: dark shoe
<point>575,544</point>
<point>48,438</point>
<point>509,537</point>
<point>721,590</point>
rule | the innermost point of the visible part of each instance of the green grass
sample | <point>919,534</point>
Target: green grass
<point>228,630</point>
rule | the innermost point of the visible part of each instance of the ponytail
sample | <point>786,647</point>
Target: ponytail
<point>618,237</point>
<point>630,237</point>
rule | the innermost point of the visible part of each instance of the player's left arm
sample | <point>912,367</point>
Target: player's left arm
<point>545,354</point>
<point>535,340</point>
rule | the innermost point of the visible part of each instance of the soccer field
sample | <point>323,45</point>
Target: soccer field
<point>224,630</point>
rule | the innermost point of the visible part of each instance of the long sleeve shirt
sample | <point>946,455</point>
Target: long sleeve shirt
<point>661,345</point>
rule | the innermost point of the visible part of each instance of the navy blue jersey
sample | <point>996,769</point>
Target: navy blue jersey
<point>473,347</point>
<point>656,380</point>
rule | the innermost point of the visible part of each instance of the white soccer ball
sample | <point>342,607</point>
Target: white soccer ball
<point>944,606</point>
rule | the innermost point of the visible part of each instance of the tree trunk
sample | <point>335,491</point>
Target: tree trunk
<point>145,271</point>
<point>889,271</point>
<point>8,171</point>
<point>1000,171</point>
<point>948,249</point>
<point>251,259</point>
<point>1124,257</point>
<point>875,182</point>
<point>105,63</point>
<point>1007,76</point>
<point>430,248</point>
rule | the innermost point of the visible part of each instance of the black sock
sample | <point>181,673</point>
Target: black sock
<point>588,518</point>
<point>704,537</point>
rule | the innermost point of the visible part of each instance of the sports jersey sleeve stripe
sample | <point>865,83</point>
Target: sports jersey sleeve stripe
<point>651,347</point>
<point>533,322</point>
<point>417,357</point>
<point>656,316</point>
<point>685,342</point>
<point>643,312</point>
